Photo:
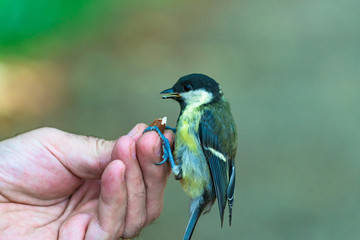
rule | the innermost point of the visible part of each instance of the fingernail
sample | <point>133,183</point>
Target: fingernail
<point>132,150</point>
<point>157,148</point>
<point>133,132</point>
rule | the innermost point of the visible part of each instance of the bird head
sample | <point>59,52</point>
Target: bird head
<point>194,90</point>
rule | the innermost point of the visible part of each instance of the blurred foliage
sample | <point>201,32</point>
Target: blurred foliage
<point>37,28</point>
<point>289,68</point>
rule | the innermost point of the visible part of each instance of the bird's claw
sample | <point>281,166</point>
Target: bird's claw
<point>179,175</point>
<point>160,163</point>
<point>165,157</point>
<point>167,154</point>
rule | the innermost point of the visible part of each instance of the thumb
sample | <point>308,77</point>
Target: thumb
<point>86,157</point>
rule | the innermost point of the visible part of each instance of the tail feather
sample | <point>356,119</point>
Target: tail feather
<point>192,223</point>
<point>230,212</point>
<point>230,192</point>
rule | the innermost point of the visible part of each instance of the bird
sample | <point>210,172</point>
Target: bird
<point>205,146</point>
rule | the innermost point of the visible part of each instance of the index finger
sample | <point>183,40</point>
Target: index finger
<point>149,151</point>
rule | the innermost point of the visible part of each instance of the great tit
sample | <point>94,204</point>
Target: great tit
<point>205,146</point>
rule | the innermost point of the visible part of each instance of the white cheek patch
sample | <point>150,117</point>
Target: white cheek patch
<point>197,98</point>
<point>217,154</point>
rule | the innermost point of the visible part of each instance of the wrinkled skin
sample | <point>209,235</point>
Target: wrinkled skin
<point>57,185</point>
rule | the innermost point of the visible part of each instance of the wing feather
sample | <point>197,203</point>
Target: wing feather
<point>212,141</point>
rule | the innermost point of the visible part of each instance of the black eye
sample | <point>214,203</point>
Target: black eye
<point>187,87</point>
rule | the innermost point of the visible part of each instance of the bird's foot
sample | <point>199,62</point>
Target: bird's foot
<point>167,154</point>
<point>170,128</point>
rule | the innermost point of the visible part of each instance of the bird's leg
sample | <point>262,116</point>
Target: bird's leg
<point>167,154</point>
<point>170,128</point>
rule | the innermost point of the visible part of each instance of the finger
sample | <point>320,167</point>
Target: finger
<point>84,156</point>
<point>110,218</point>
<point>137,131</point>
<point>149,151</point>
<point>136,209</point>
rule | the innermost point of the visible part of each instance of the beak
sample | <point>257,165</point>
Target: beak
<point>170,93</point>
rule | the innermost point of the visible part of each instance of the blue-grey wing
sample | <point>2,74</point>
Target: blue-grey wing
<point>217,147</point>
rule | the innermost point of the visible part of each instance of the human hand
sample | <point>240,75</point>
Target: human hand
<point>57,185</point>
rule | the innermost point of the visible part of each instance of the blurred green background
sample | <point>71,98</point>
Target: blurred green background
<point>290,69</point>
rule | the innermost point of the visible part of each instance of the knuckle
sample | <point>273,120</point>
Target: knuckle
<point>141,126</point>
<point>123,144</point>
<point>124,140</point>
<point>138,191</point>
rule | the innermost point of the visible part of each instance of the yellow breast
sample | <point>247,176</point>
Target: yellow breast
<point>188,152</point>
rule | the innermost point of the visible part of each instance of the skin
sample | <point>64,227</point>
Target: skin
<point>57,185</point>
